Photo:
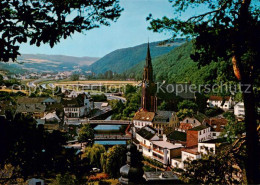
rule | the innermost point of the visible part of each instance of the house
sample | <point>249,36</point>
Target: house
<point>210,146</point>
<point>144,138</point>
<point>188,123</point>
<point>2,87</point>
<point>177,137</point>
<point>35,181</point>
<point>195,152</point>
<point>239,109</point>
<point>217,101</point>
<point>72,94</point>
<point>164,151</point>
<point>143,118</point>
<point>77,107</point>
<point>165,119</point>
<point>198,134</point>
<point>190,153</point>
<point>51,117</point>
<point>35,106</point>
<point>35,110</point>
<point>151,145</point>
<point>161,177</point>
<point>217,126</point>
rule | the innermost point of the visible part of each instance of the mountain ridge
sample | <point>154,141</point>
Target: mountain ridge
<point>123,59</point>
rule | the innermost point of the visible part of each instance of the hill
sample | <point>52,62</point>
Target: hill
<point>46,63</point>
<point>177,66</point>
<point>123,59</point>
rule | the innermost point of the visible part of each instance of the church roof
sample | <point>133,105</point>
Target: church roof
<point>144,116</point>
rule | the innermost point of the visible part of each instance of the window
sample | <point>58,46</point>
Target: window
<point>214,134</point>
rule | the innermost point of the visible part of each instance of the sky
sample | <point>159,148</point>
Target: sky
<point>130,30</point>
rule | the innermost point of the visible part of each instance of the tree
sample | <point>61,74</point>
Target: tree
<point>64,179</point>
<point>212,169</point>
<point>227,31</point>
<point>186,104</point>
<point>185,113</point>
<point>234,129</point>
<point>11,175</point>
<point>1,79</point>
<point>86,133</point>
<point>114,160</point>
<point>74,77</point>
<point>93,154</point>
<point>162,106</point>
<point>129,89</point>
<point>33,21</point>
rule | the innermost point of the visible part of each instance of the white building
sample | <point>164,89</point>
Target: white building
<point>35,181</point>
<point>143,118</point>
<point>190,153</point>
<point>239,109</point>
<point>210,146</point>
<point>164,151</point>
<point>145,136</point>
<point>154,147</point>
<point>78,107</point>
<point>216,101</point>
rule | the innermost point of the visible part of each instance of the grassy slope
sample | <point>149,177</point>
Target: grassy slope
<point>177,66</point>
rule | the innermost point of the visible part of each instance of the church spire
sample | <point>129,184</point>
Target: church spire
<point>148,56</point>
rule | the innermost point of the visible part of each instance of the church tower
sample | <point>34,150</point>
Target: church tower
<point>149,100</point>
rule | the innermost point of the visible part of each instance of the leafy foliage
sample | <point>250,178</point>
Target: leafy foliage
<point>187,104</point>
<point>212,169</point>
<point>33,21</point>
<point>99,97</point>
<point>86,133</point>
<point>228,31</point>
<point>114,159</point>
<point>185,113</point>
<point>93,155</point>
<point>127,110</point>
<point>64,179</point>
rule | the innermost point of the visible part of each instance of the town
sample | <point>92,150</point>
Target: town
<point>168,140</point>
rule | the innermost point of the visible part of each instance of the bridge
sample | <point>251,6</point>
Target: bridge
<point>108,122</point>
<point>76,121</point>
<point>104,137</point>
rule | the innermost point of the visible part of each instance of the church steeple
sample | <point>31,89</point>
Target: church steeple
<point>149,100</point>
<point>148,68</point>
<point>148,56</point>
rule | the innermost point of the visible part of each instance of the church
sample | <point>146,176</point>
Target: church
<point>148,115</point>
<point>149,99</point>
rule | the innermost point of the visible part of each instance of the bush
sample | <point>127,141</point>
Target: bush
<point>153,162</point>
<point>99,97</point>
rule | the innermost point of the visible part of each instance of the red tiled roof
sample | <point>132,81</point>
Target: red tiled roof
<point>218,123</point>
<point>185,126</point>
<point>192,150</point>
<point>219,98</point>
<point>144,116</point>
